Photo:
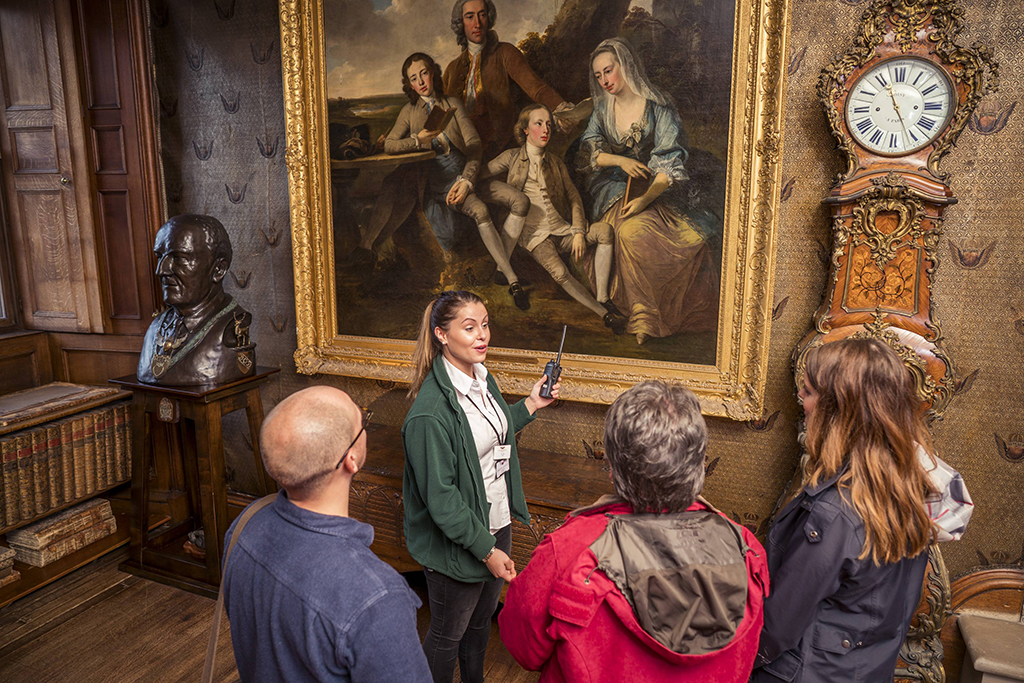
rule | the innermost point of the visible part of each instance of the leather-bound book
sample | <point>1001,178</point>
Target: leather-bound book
<point>120,471</point>
<point>128,440</point>
<point>90,453</point>
<point>438,118</point>
<point>67,459</point>
<point>9,462</point>
<point>65,546</point>
<point>26,497</point>
<point>15,575</point>
<point>43,533</point>
<point>40,471</point>
<point>99,427</point>
<point>55,475</point>
<point>78,454</point>
<point>111,445</point>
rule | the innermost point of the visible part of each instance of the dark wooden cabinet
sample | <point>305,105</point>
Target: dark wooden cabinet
<point>44,168</point>
<point>79,159</point>
<point>117,111</point>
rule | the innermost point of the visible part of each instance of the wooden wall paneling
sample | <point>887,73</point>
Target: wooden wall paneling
<point>93,359</point>
<point>8,291</point>
<point>41,143</point>
<point>24,361</point>
<point>120,173</point>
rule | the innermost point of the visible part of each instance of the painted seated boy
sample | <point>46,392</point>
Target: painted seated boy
<point>554,221</point>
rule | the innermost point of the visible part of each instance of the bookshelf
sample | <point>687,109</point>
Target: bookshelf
<point>34,578</point>
<point>56,464</point>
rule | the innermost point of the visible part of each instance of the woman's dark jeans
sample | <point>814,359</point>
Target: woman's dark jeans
<point>460,621</point>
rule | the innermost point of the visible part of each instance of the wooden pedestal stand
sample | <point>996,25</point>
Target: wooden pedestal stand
<point>178,459</point>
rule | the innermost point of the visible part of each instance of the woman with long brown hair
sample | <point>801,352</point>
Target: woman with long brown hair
<point>847,556</point>
<point>462,485</point>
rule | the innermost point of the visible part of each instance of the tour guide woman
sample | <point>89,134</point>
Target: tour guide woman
<point>462,485</point>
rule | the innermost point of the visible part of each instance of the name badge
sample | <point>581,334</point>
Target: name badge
<point>500,468</point>
<point>502,455</point>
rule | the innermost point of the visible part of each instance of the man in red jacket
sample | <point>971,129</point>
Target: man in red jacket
<point>651,584</point>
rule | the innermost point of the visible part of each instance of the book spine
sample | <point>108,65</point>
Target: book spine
<point>40,471</point>
<point>26,500</point>
<point>128,440</point>
<point>78,455</point>
<point>66,546</point>
<point>108,435</point>
<point>90,454</point>
<point>10,578</point>
<point>67,461</point>
<point>119,471</point>
<point>54,465</point>
<point>37,539</point>
<point>9,460</point>
<point>99,426</point>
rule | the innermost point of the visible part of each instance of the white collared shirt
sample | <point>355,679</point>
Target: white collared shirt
<point>485,417</point>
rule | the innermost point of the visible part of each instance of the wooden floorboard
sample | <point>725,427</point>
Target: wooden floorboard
<point>49,607</point>
<point>100,625</point>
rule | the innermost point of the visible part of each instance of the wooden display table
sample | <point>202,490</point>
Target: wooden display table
<point>554,485</point>
<point>176,432</point>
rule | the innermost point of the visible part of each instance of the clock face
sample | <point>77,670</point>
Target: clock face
<point>900,106</point>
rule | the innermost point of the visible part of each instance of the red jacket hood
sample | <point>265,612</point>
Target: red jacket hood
<point>586,623</point>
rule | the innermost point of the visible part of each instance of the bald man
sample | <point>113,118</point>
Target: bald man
<point>307,599</point>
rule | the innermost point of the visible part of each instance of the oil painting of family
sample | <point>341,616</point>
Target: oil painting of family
<point>595,212</point>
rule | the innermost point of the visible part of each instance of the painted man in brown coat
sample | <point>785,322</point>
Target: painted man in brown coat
<point>481,76</point>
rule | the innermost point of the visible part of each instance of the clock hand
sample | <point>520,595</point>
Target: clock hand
<point>896,106</point>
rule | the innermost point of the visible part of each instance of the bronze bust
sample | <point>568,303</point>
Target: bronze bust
<point>202,337</point>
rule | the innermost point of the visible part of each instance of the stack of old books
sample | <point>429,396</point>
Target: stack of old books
<point>57,463</point>
<point>60,535</point>
<point>8,574</point>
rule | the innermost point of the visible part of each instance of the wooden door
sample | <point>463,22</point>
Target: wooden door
<point>113,60</point>
<point>41,140</point>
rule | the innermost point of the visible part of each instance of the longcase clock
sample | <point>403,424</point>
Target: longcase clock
<point>896,102</point>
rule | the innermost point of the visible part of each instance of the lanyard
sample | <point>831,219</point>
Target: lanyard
<point>497,411</point>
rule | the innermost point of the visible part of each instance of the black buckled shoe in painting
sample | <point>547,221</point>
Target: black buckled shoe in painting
<point>519,296</point>
<point>615,320</point>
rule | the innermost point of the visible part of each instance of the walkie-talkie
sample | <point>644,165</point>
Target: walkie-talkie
<point>553,369</point>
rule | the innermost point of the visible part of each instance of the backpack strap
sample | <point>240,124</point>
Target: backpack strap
<point>211,648</point>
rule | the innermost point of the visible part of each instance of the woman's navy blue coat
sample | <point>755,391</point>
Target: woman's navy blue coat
<point>831,617</point>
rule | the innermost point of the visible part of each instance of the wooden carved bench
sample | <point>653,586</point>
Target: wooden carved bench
<point>554,485</point>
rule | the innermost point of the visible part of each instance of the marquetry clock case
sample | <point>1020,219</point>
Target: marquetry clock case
<point>896,101</point>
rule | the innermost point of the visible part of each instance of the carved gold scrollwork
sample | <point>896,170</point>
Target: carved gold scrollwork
<point>927,388</point>
<point>889,195</point>
<point>921,652</point>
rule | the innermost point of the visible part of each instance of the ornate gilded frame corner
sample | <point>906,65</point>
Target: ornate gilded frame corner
<point>733,387</point>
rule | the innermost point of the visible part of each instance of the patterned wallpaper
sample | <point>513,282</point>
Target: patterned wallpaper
<point>222,125</point>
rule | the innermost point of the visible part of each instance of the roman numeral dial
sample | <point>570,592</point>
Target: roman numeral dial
<point>899,106</point>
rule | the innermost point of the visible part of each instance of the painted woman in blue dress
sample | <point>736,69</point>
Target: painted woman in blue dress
<point>665,280</point>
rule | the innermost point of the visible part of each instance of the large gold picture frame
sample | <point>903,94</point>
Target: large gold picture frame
<point>733,386</point>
